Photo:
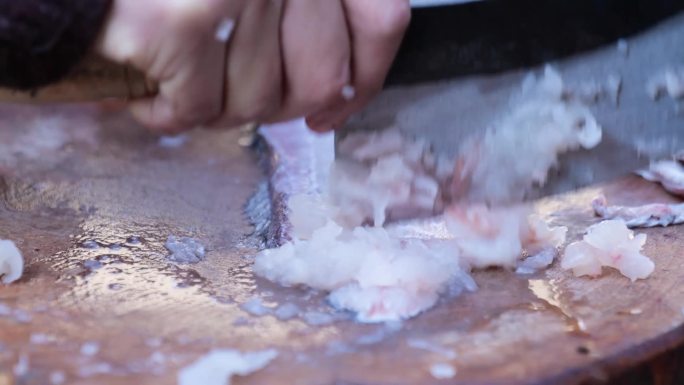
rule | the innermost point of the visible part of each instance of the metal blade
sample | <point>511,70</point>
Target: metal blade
<point>636,129</point>
<point>491,36</point>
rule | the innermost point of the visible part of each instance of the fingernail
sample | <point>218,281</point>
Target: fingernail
<point>318,126</point>
<point>224,30</point>
<point>315,120</point>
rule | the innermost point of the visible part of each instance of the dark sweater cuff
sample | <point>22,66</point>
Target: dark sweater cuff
<point>41,40</point>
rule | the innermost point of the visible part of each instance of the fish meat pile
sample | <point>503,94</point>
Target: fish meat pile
<point>347,237</point>
<point>669,82</point>
<point>543,123</point>
<point>11,262</point>
<point>387,176</point>
<point>669,173</point>
<point>220,365</point>
<point>386,273</point>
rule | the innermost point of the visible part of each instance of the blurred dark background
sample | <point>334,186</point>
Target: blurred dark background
<point>496,35</point>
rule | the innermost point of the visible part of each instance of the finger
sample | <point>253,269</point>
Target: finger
<point>377,28</point>
<point>191,81</point>
<point>254,67</point>
<point>187,99</point>
<point>316,56</point>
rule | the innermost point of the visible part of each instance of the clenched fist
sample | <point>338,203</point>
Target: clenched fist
<point>222,63</point>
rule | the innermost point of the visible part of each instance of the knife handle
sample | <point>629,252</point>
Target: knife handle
<point>93,79</point>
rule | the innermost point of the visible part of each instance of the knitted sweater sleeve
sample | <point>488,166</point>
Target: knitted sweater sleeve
<point>41,40</point>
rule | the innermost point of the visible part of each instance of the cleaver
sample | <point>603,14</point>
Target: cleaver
<point>461,61</point>
<point>460,65</point>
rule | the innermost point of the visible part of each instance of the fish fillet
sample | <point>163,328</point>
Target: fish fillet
<point>650,215</point>
<point>608,243</point>
<point>11,262</point>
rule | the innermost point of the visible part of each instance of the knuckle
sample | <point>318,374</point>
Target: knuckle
<point>192,15</point>
<point>258,99</point>
<point>326,91</point>
<point>260,108</point>
<point>325,86</point>
<point>197,113</point>
<point>394,19</point>
<point>261,6</point>
<point>373,89</point>
<point>246,115</point>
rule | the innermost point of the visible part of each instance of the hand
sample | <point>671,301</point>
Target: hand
<point>222,63</point>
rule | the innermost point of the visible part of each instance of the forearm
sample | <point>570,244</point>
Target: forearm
<point>41,40</point>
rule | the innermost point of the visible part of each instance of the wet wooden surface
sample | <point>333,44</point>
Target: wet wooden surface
<point>75,177</point>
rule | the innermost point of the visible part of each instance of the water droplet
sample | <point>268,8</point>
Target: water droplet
<point>134,240</point>
<point>90,349</point>
<point>246,140</point>
<point>5,310</point>
<point>157,358</point>
<point>223,300</point>
<point>92,264</point>
<point>57,377</point>
<point>442,371</point>
<point>153,342</point>
<point>184,249</point>
<point>21,368</point>
<point>241,321</point>
<point>22,316</point>
<point>255,307</point>
<point>91,370</point>
<point>114,270</point>
<point>348,92</point>
<point>286,311</point>
<point>176,141</point>
<point>40,339</point>
<point>115,286</point>
<point>90,244</point>
<point>317,318</point>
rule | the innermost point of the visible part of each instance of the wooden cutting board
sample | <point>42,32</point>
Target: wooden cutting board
<point>73,177</point>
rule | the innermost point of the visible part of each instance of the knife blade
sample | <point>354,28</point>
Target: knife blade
<point>635,130</point>
<point>493,36</point>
